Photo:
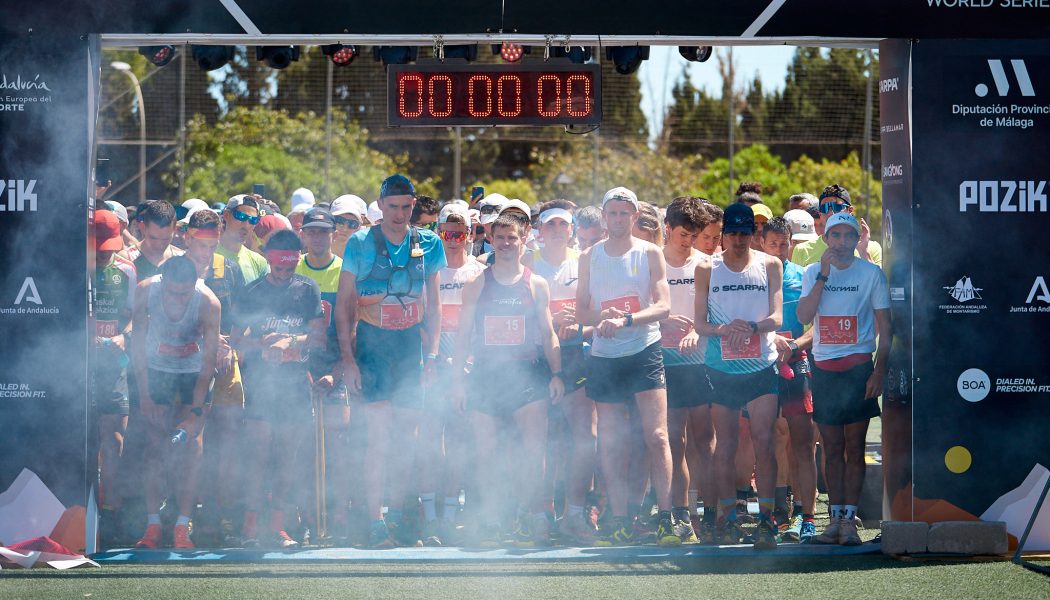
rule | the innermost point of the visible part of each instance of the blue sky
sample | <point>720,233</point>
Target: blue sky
<point>665,67</point>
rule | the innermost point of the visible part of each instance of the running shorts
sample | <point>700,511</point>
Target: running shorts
<point>839,397</point>
<point>391,365</point>
<point>612,380</point>
<point>736,390</point>
<point>796,396</point>
<point>688,386</point>
<point>499,389</point>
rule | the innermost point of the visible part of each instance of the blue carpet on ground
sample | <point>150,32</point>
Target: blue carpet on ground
<point>135,556</point>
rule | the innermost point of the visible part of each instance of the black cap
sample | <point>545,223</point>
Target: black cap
<point>836,191</point>
<point>318,218</point>
<point>738,218</point>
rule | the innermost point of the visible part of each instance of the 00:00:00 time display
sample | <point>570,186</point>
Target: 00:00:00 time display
<point>526,95</point>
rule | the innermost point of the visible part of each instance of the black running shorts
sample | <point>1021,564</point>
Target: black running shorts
<point>838,397</point>
<point>614,380</point>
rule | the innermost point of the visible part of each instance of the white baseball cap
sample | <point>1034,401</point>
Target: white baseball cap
<point>556,213</point>
<point>119,210</point>
<point>518,204</point>
<point>496,201</point>
<point>801,223</point>
<point>349,204</point>
<point>374,213</point>
<point>621,193</point>
<point>453,208</point>
<point>842,218</point>
<point>302,197</point>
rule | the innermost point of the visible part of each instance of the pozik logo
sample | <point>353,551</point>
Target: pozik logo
<point>20,195</point>
<point>1002,82</point>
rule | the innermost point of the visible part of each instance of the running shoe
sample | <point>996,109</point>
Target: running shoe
<point>848,535</point>
<point>809,531</point>
<point>282,540</point>
<point>708,532</point>
<point>489,535</point>
<point>181,538</point>
<point>539,531</point>
<point>782,519</point>
<point>683,527</point>
<point>379,535</point>
<point>432,534</point>
<point>150,539</point>
<point>619,533</point>
<point>404,533</point>
<point>730,534</point>
<point>742,516</point>
<point>665,531</point>
<point>793,532</point>
<point>765,536</point>
<point>579,530</point>
<point>831,533</point>
<point>643,530</point>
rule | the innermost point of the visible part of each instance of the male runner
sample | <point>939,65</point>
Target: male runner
<point>505,323</point>
<point>223,453</point>
<point>380,315</point>
<point>349,212</point>
<point>590,227</point>
<point>558,264</point>
<point>280,323</point>
<point>833,200</point>
<point>848,302</point>
<point>115,283</point>
<point>689,392</point>
<point>738,307</point>
<point>322,266</point>
<point>709,239</point>
<point>176,334</point>
<point>157,225</point>
<point>796,397</point>
<point>623,293</point>
<point>425,213</point>
<point>241,216</point>
<point>802,201</point>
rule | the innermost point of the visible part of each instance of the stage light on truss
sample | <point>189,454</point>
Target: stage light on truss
<point>210,58</point>
<point>627,58</point>
<point>277,57</point>
<point>395,55</point>
<point>468,52</point>
<point>341,55</point>
<point>511,53</point>
<point>576,54</point>
<point>695,53</point>
<point>158,55</point>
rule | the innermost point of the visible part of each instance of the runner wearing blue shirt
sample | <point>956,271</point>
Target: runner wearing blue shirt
<point>381,316</point>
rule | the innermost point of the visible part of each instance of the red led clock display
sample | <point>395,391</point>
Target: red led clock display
<point>505,94</point>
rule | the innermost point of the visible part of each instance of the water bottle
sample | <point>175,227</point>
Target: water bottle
<point>179,437</point>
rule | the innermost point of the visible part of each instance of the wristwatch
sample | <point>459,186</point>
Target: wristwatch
<point>754,327</point>
<point>822,277</point>
<point>793,346</point>
<point>556,374</point>
<point>628,319</point>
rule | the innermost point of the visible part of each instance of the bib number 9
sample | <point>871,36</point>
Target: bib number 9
<point>837,330</point>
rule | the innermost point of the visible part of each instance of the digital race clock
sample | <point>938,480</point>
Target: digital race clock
<point>537,93</point>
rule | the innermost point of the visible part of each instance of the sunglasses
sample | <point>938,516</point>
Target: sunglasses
<point>486,210</point>
<point>453,236</point>
<point>244,217</point>
<point>429,226</point>
<point>350,223</point>
<point>833,207</point>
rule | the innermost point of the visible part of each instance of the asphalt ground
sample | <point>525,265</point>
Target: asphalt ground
<point>868,576</point>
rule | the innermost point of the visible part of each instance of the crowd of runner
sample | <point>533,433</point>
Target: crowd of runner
<point>485,372</point>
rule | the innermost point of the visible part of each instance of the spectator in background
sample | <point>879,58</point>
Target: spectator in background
<point>590,227</point>
<point>749,193</point>
<point>647,227</point>
<point>302,201</point>
<point>802,201</point>
<point>425,213</point>
<point>266,227</point>
<point>349,213</point>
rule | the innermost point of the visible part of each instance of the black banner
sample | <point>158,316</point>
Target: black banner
<point>981,119</point>
<point>44,171</point>
<point>895,129</point>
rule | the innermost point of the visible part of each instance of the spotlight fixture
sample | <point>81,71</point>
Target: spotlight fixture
<point>510,52</point>
<point>576,54</point>
<point>210,58</point>
<point>158,55</point>
<point>627,58</point>
<point>341,55</point>
<point>695,53</point>
<point>395,55</point>
<point>277,57</point>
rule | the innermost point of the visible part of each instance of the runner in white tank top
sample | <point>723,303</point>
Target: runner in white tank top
<point>623,293</point>
<point>739,302</point>
<point>689,392</point>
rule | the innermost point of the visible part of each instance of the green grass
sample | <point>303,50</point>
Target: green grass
<point>840,577</point>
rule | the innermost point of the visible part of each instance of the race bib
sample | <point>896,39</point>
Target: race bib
<point>106,329</point>
<point>837,330</point>
<point>627,304</point>
<point>504,331</point>
<point>450,317</point>
<point>751,348</point>
<point>786,334</point>
<point>178,351</point>
<point>559,305</point>
<point>395,316</point>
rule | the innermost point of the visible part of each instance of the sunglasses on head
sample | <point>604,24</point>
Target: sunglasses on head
<point>833,207</point>
<point>350,223</point>
<point>245,217</point>
<point>453,236</point>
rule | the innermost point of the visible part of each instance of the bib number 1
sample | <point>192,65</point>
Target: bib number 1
<point>837,330</point>
<point>504,331</point>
